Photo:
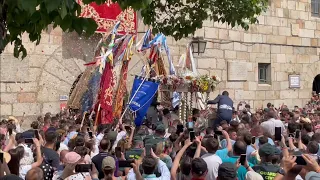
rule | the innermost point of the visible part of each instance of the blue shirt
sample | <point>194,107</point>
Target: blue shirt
<point>242,171</point>
<point>224,143</point>
<point>222,153</point>
<point>250,149</point>
<point>270,141</point>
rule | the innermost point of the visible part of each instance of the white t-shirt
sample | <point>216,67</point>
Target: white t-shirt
<point>23,170</point>
<point>120,136</point>
<point>213,162</point>
<point>62,147</point>
<point>268,126</point>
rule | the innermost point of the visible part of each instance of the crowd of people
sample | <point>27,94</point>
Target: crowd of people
<point>237,143</point>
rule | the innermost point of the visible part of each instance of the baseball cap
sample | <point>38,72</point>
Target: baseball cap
<point>227,170</point>
<point>199,166</point>
<point>72,157</point>
<point>267,150</point>
<point>108,162</point>
<point>161,128</point>
<point>112,135</point>
<point>312,176</point>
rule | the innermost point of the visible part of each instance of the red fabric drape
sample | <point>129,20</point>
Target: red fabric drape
<point>108,14</point>
<point>106,95</point>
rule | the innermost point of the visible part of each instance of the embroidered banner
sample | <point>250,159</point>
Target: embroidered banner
<point>108,14</point>
<point>143,98</point>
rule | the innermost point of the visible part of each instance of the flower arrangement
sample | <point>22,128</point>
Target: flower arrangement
<point>203,83</point>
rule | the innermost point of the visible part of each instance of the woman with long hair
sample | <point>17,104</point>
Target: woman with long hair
<point>16,155</point>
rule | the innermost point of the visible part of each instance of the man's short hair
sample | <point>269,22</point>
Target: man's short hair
<point>305,139</point>
<point>165,111</point>
<point>307,127</point>
<point>209,130</point>
<point>225,93</point>
<point>313,147</point>
<point>239,147</point>
<point>316,137</point>
<point>149,165</point>
<point>104,144</point>
<point>35,173</point>
<point>195,111</point>
<point>51,137</point>
<point>247,137</point>
<point>263,140</point>
<point>212,145</point>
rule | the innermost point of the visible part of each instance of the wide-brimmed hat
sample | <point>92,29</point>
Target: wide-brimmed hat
<point>16,121</point>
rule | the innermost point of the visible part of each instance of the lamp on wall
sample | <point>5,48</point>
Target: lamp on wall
<point>198,45</point>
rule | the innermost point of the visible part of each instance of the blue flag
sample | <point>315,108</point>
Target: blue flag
<point>143,99</point>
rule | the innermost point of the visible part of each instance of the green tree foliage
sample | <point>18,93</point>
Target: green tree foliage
<point>178,18</point>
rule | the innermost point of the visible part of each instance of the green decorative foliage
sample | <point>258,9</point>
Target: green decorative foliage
<point>34,16</point>
<point>177,18</point>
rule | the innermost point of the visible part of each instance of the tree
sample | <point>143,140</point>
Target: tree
<point>178,18</point>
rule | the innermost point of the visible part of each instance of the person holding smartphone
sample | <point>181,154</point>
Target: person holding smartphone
<point>239,156</point>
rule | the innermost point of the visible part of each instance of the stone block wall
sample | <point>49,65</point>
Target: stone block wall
<point>33,85</point>
<point>287,36</point>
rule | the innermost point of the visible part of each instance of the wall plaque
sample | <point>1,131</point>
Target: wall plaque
<point>294,81</point>
<point>237,71</point>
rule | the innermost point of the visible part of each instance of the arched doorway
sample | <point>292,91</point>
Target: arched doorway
<point>316,84</point>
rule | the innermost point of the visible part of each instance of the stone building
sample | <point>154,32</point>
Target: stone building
<point>254,65</point>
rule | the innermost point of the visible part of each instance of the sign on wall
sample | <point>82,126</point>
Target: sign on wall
<point>237,71</point>
<point>294,81</point>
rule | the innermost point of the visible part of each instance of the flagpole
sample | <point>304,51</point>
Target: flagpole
<point>125,110</point>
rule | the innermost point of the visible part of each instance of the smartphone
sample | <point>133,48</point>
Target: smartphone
<point>219,133</point>
<point>297,134</point>
<point>124,164</point>
<point>1,157</point>
<point>243,158</point>
<point>277,133</point>
<point>300,161</point>
<point>28,141</point>
<point>148,149</point>
<point>253,140</point>
<point>179,129</point>
<point>90,134</point>
<point>83,168</point>
<point>192,135</point>
<point>117,151</point>
<point>88,129</point>
<point>190,125</point>
<point>36,134</point>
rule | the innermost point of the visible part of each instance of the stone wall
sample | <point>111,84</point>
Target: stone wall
<point>33,85</point>
<point>286,36</point>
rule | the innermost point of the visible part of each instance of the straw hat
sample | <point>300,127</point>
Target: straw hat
<point>6,156</point>
<point>16,121</point>
<point>306,120</point>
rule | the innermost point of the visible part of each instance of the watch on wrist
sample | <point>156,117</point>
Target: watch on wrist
<point>281,171</point>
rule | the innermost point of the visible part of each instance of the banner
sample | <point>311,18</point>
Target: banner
<point>108,14</point>
<point>143,98</point>
<point>106,95</point>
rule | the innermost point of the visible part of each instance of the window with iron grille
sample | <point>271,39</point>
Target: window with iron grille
<point>264,73</point>
<point>315,8</point>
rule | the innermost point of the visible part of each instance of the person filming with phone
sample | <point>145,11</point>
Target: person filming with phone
<point>225,105</point>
